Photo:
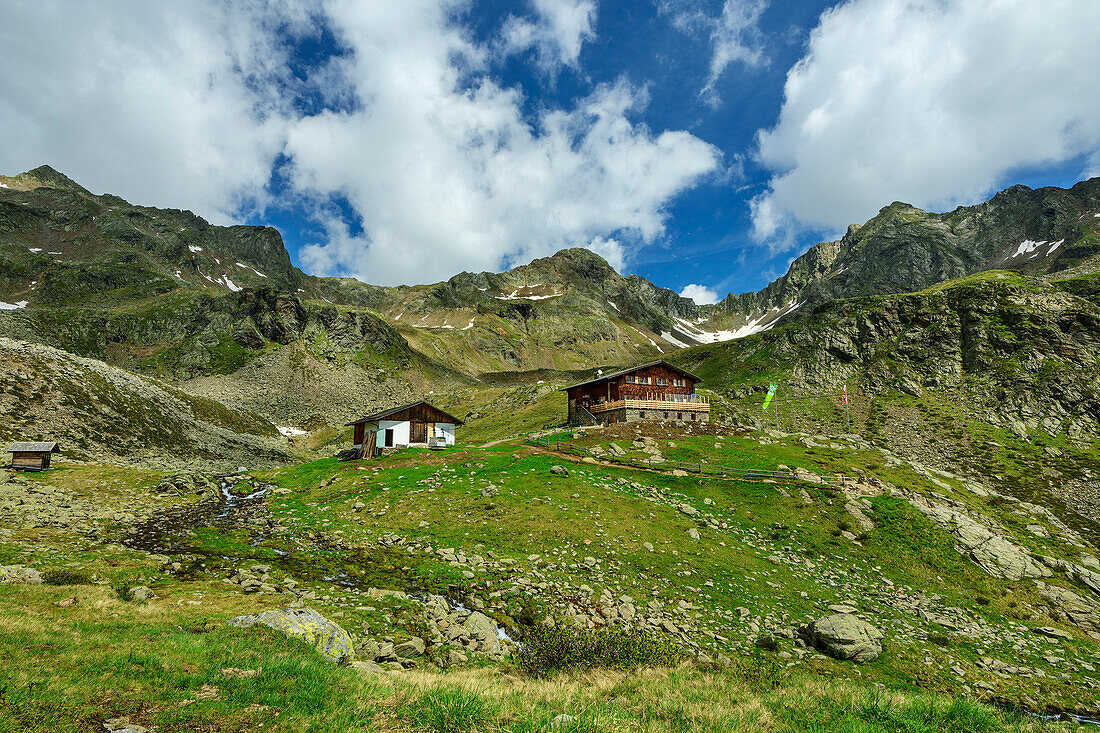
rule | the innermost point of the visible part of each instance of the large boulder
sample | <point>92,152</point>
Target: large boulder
<point>306,625</point>
<point>187,482</point>
<point>483,630</point>
<point>844,636</point>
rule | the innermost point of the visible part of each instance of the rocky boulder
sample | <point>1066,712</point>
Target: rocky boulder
<point>844,636</point>
<point>305,624</point>
<point>19,574</point>
<point>187,482</point>
<point>483,631</point>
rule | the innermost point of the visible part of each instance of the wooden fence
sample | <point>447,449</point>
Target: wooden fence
<point>566,446</point>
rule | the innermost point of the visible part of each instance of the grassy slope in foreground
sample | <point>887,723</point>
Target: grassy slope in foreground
<point>782,559</point>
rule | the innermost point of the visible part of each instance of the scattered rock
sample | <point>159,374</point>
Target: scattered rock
<point>1052,633</point>
<point>66,602</point>
<point>123,725</point>
<point>844,636</point>
<point>142,593</point>
<point>306,625</point>
<point>410,649</point>
<point>560,722</point>
<point>559,470</point>
<point>19,574</point>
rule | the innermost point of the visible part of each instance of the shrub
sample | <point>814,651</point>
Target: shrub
<point>549,649</point>
<point>65,576</point>
<point>122,591</point>
<point>939,639</point>
<point>448,710</point>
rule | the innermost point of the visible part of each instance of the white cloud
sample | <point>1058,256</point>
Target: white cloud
<point>446,173</point>
<point>166,104</point>
<point>557,32</point>
<point>189,105</point>
<point>701,294</point>
<point>734,34</point>
<point>934,102</point>
<point>736,37</point>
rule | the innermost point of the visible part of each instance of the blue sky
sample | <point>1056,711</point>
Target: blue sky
<point>699,143</point>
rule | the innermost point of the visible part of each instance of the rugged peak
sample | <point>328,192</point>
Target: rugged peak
<point>47,177</point>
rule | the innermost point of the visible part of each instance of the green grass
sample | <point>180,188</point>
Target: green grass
<point>331,530</point>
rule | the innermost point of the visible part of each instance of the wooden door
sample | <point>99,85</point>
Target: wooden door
<point>418,432</point>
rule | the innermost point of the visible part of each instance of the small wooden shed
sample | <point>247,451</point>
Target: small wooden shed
<point>32,456</point>
<point>417,423</point>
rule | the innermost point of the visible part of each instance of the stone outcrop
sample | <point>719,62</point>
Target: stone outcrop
<point>844,636</point>
<point>989,550</point>
<point>305,624</point>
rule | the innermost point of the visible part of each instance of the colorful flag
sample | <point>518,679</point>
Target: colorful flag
<point>845,394</point>
<point>768,399</point>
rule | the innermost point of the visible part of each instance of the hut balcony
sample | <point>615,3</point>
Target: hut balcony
<point>680,403</point>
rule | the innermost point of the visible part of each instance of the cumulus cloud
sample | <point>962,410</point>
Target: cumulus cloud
<point>933,102</point>
<point>701,294</point>
<point>166,104</point>
<point>446,173</point>
<point>556,32</point>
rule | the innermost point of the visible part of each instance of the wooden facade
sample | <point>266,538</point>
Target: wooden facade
<point>32,456</point>
<point>654,391</point>
<point>418,423</point>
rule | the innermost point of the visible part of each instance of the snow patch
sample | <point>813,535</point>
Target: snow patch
<point>230,284</point>
<point>12,306</point>
<point>4,185</point>
<point>1027,247</point>
<point>289,431</point>
<point>469,325</point>
<point>647,338</point>
<point>193,248</point>
<point>514,296</point>
<point>673,340</point>
<point>613,305</point>
<point>763,322</point>
<point>241,264</point>
<point>1055,245</point>
<point>35,249</point>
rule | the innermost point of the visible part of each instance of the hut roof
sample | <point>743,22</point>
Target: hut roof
<point>401,408</point>
<point>34,448</point>
<point>612,375</point>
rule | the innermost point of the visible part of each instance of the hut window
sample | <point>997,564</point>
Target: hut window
<point>641,413</point>
<point>679,416</point>
<point>662,382</point>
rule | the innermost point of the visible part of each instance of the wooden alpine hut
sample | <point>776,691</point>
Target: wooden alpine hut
<point>653,391</point>
<point>32,456</point>
<point>417,423</point>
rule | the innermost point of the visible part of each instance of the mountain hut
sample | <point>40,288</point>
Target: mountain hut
<point>32,456</point>
<point>418,423</point>
<point>653,391</point>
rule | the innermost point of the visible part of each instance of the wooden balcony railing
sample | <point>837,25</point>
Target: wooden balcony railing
<point>663,405</point>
